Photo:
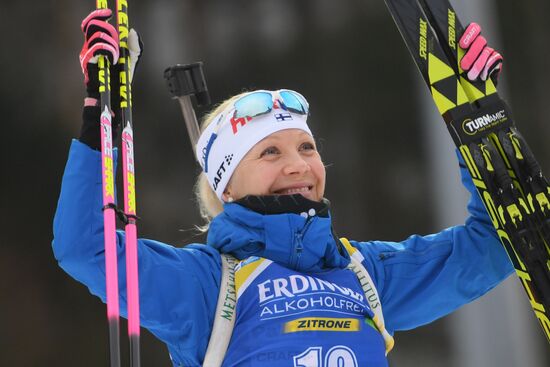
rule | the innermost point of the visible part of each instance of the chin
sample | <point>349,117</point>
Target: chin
<point>311,196</point>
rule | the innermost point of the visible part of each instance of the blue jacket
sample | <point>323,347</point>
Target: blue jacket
<point>419,279</point>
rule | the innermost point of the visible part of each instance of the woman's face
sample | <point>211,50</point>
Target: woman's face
<point>284,163</point>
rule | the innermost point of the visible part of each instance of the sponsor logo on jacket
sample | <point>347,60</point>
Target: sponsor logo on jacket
<point>298,293</point>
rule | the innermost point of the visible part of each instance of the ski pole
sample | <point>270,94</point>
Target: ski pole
<point>107,167</point>
<point>183,82</point>
<point>128,174</point>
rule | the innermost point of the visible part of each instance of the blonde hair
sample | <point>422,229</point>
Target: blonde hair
<point>209,203</point>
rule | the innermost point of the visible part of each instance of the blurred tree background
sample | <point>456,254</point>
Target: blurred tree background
<point>345,56</point>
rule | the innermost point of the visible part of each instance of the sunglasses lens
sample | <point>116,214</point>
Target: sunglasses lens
<point>294,102</point>
<point>253,105</point>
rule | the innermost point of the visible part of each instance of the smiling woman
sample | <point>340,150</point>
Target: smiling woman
<point>284,163</point>
<point>282,159</point>
<point>298,294</point>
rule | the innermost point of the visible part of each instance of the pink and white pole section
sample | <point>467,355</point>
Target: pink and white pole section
<point>107,165</point>
<point>111,267</point>
<point>132,282</point>
<point>128,174</point>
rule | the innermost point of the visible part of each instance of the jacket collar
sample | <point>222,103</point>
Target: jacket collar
<point>288,229</point>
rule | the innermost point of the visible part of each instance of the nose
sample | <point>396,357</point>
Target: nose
<point>295,164</point>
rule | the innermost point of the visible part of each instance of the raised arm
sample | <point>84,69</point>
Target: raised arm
<point>426,277</point>
<point>178,287</point>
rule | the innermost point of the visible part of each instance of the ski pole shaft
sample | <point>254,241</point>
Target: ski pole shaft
<point>128,174</point>
<point>107,167</point>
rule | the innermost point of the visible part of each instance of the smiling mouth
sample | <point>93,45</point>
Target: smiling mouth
<point>294,190</point>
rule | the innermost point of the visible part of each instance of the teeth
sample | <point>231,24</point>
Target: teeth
<point>296,190</point>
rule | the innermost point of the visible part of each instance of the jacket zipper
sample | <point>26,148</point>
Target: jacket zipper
<point>298,246</point>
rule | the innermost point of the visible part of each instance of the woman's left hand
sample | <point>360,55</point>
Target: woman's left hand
<point>480,61</point>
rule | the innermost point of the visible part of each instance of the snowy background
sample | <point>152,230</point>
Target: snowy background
<point>391,173</point>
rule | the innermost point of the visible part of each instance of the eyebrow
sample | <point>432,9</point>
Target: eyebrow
<point>278,137</point>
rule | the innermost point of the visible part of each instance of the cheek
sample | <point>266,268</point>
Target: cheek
<point>318,169</point>
<point>255,180</point>
<point>266,175</point>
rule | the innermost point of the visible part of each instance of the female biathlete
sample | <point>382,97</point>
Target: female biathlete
<point>295,298</point>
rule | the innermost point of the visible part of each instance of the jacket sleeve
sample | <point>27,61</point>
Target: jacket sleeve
<point>178,286</point>
<point>426,277</point>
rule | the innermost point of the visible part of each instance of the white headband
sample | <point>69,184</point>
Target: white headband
<point>226,140</point>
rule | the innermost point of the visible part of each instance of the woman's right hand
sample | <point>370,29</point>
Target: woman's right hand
<point>100,38</point>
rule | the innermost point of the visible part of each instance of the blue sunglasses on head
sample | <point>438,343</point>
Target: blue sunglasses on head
<point>261,102</point>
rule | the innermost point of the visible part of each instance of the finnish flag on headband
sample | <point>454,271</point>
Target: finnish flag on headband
<point>283,117</point>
